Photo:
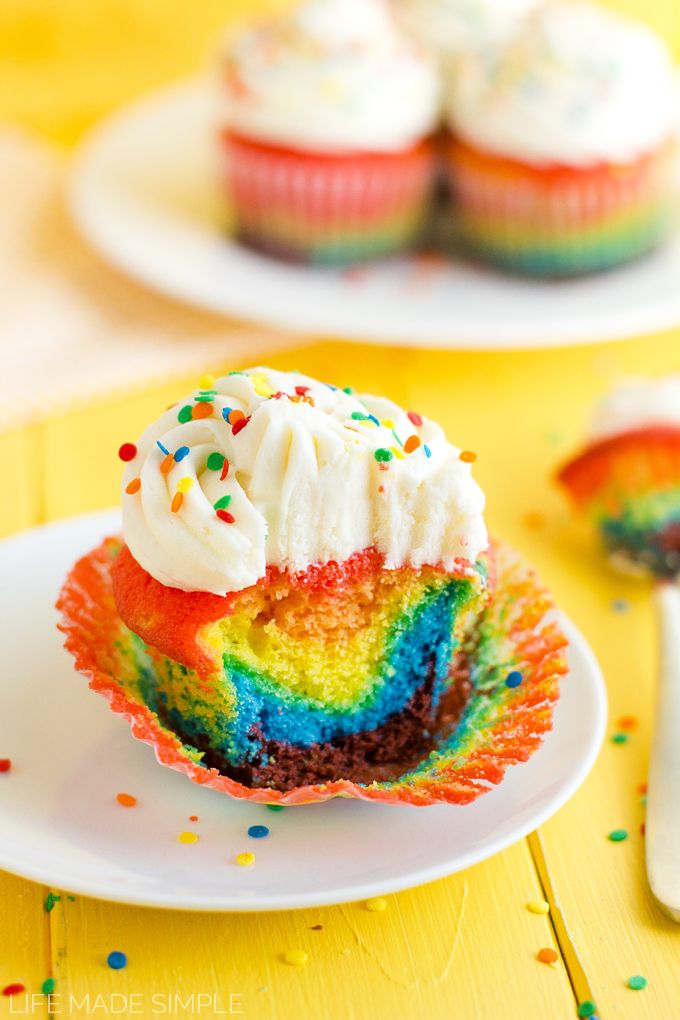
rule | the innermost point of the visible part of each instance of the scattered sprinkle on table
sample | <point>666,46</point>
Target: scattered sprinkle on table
<point>376,903</point>
<point>547,956</point>
<point>276,807</point>
<point>258,831</point>
<point>642,788</point>
<point>127,452</point>
<point>642,829</point>
<point>245,859</point>
<point>116,960</point>
<point>126,799</point>
<point>193,818</point>
<point>5,764</point>
<point>187,837</point>
<point>637,982</point>
<point>50,901</point>
<point>620,605</point>
<point>617,835</point>
<point>538,906</point>
<point>513,679</point>
<point>620,738</point>
<point>586,1008</point>
<point>48,986</point>
<point>628,722</point>
<point>317,927</point>
<point>296,957</point>
<point>15,989</point>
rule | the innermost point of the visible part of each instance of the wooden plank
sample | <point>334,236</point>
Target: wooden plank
<point>463,947</point>
<point>24,937</point>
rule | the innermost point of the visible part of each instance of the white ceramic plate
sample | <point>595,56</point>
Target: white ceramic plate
<point>144,194</point>
<point>60,822</point>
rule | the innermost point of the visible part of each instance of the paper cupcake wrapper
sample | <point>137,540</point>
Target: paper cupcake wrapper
<point>560,220</point>
<point>500,725</point>
<point>326,209</point>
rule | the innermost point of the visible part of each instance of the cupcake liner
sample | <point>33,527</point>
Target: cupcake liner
<point>500,725</point>
<point>560,220</point>
<point>326,209</point>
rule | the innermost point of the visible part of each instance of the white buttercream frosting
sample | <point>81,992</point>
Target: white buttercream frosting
<point>335,75</point>
<point>577,84</point>
<point>305,486</point>
<point>456,26</point>
<point>637,403</point>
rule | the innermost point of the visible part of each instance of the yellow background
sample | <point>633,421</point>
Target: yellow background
<point>463,948</point>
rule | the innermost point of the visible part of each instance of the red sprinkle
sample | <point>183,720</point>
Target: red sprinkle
<point>13,989</point>
<point>642,829</point>
<point>642,788</point>
<point>128,451</point>
<point>301,390</point>
<point>415,419</point>
<point>225,470</point>
<point>240,424</point>
<point>224,515</point>
<point>5,764</point>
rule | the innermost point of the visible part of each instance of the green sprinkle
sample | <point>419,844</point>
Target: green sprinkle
<point>617,835</point>
<point>586,1008</point>
<point>275,807</point>
<point>638,982</point>
<point>207,397</point>
<point>48,986</point>
<point>71,898</point>
<point>620,738</point>
<point>50,901</point>
<point>184,415</point>
<point>236,373</point>
<point>359,416</point>
<point>397,437</point>
<point>643,799</point>
<point>384,455</point>
<point>212,393</point>
<point>348,389</point>
<point>223,503</point>
<point>216,461</point>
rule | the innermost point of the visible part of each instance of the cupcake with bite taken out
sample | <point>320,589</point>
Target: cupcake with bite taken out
<point>304,602</point>
<point>563,153</point>
<point>326,145</point>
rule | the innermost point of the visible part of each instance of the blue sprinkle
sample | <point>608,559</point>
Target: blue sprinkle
<point>258,831</point>
<point>620,605</point>
<point>116,960</point>
<point>513,679</point>
<point>428,451</point>
<point>181,453</point>
<point>334,388</point>
<point>226,411</point>
<point>158,443</point>
<point>372,417</point>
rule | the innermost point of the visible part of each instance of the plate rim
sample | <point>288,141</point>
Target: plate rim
<point>49,874</point>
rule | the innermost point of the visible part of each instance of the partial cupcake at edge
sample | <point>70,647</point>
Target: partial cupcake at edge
<point>305,602</point>
<point>554,123</point>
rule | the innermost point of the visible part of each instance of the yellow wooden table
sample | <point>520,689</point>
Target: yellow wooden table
<point>463,948</point>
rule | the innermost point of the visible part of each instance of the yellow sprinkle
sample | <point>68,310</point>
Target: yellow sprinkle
<point>245,859</point>
<point>263,390</point>
<point>295,956</point>
<point>184,484</point>
<point>368,424</point>
<point>538,906</point>
<point>206,382</point>
<point>377,903</point>
<point>187,837</point>
<point>398,453</point>
<point>388,423</point>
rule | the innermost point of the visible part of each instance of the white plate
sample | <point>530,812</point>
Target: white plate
<point>60,823</point>
<point>144,194</point>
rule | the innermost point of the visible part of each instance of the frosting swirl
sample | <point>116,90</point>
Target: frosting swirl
<point>577,84</point>
<point>312,474</point>
<point>335,75</point>
<point>454,26</point>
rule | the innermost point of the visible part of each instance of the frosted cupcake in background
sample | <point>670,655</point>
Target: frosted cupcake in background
<point>563,157</point>
<point>328,114</point>
<point>458,26</point>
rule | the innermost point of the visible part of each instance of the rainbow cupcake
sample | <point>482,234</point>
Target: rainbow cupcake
<point>563,155</point>
<point>326,151</point>
<point>627,480</point>
<point>301,605</point>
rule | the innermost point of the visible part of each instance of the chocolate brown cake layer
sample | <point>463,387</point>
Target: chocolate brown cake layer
<point>377,755</point>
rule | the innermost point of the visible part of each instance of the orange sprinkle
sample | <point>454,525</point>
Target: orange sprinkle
<point>170,406</point>
<point>307,399</point>
<point>193,818</point>
<point>235,416</point>
<point>126,799</point>
<point>411,444</point>
<point>468,456</point>
<point>642,829</point>
<point>547,956</point>
<point>167,463</point>
<point>202,410</point>
<point>628,722</point>
<point>177,501</point>
<point>642,788</point>
<point>134,486</point>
